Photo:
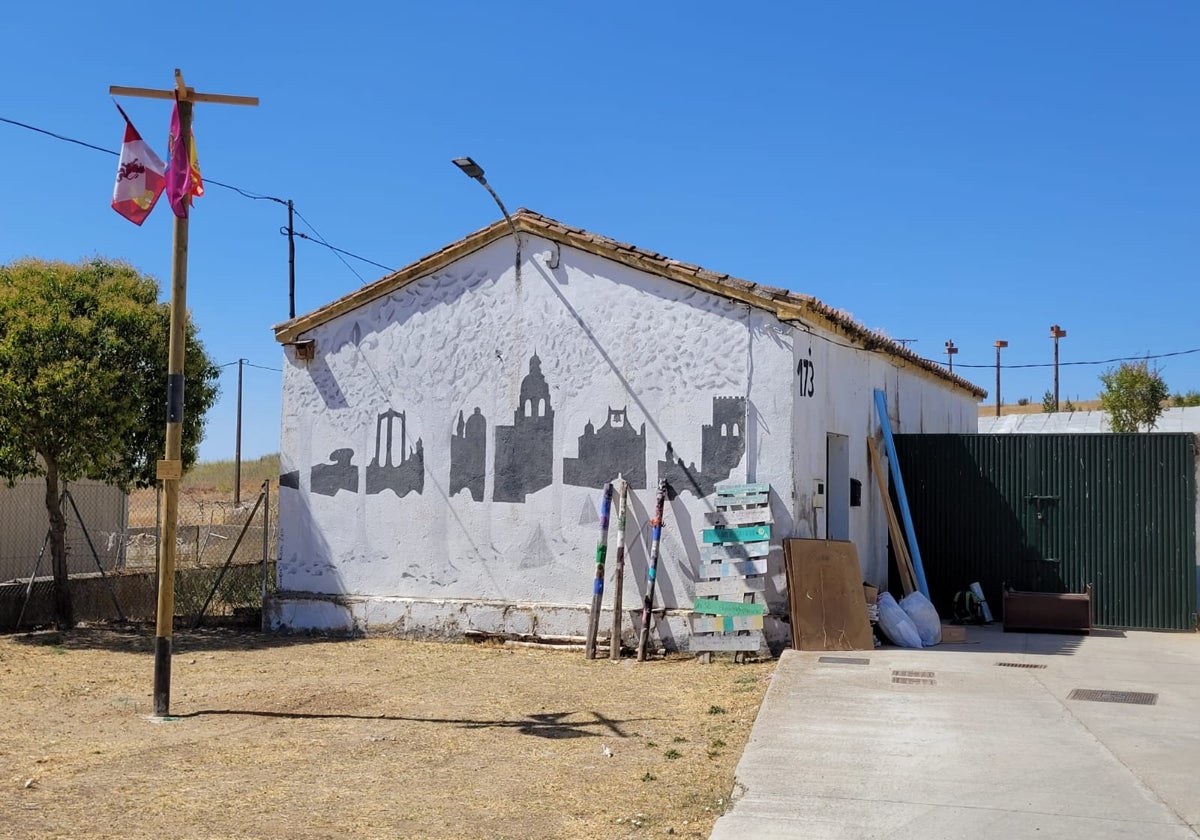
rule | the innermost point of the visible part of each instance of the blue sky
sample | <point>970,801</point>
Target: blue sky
<point>942,170</point>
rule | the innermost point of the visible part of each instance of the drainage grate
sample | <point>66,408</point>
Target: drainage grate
<point>843,660</point>
<point>1019,665</point>
<point>913,681</point>
<point>1101,695</point>
<point>913,678</point>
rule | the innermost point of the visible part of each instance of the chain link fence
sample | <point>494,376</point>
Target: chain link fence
<point>224,554</point>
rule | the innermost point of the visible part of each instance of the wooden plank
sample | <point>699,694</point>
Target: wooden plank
<point>750,641</point>
<point>744,499</point>
<point>736,569</point>
<point>734,551</point>
<point>828,609</point>
<point>899,548</point>
<point>733,518</point>
<point>725,623</point>
<point>730,586</point>
<point>742,490</point>
<point>751,533</point>
<point>706,606</point>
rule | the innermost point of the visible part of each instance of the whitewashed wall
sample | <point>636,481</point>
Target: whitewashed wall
<point>836,396</point>
<point>607,336</point>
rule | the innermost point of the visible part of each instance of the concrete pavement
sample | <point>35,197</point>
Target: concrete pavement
<point>963,747</point>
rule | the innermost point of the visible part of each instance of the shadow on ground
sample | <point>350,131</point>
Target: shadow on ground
<point>553,725</point>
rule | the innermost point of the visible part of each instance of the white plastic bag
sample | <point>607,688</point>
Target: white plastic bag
<point>924,616</point>
<point>896,624</point>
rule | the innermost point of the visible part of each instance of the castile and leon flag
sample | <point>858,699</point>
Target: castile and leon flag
<point>183,174</point>
<point>140,179</point>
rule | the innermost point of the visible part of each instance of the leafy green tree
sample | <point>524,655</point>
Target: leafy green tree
<point>1048,402</point>
<point>1068,406</point>
<point>1191,398</point>
<point>1133,396</point>
<point>83,372</point>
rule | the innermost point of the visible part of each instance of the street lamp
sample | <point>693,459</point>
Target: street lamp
<point>474,171</point>
<point>1056,332</point>
<point>951,351</point>
<point>1000,344</point>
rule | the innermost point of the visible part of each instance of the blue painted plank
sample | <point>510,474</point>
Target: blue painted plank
<point>752,533</point>
<point>894,465</point>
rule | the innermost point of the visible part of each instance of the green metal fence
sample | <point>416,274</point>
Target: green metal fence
<point>1053,513</point>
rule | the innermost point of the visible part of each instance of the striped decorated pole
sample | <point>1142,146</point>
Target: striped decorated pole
<point>652,571</point>
<point>614,642</point>
<point>598,583</point>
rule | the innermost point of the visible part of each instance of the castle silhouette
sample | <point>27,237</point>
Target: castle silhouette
<point>615,448</point>
<point>525,450</point>
<point>722,445</point>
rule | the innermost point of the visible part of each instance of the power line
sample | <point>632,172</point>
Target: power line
<point>320,240</point>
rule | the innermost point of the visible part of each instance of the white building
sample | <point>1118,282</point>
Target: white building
<point>448,429</point>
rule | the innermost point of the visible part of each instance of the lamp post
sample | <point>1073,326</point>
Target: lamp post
<point>237,443</point>
<point>1056,332</point>
<point>951,351</point>
<point>474,171</point>
<point>1000,344</point>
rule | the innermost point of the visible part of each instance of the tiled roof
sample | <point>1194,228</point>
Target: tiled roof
<point>788,306</point>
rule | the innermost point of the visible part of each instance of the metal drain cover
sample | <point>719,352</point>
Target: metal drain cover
<point>922,674</point>
<point>843,660</point>
<point>1101,695</point>
<point>913,681</point>
<point>1019,665</point>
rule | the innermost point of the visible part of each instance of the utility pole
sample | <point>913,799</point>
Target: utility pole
<point>237,443</point>
<point>1056,332</point>
<point>951,351</point>
<point>170,469</point>
<point>291,235</point>
<point>999,346</point>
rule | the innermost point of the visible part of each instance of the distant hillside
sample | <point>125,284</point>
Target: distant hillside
<point>218,475</point>
<point>989,409</point>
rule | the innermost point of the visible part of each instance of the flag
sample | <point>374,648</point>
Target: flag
<point>139,176</point>
<point>183,173</point>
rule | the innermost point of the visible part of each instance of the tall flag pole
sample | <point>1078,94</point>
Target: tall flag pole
<point>170,469</point>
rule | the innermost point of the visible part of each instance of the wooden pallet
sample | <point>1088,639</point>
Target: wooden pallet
<point>727,614</point>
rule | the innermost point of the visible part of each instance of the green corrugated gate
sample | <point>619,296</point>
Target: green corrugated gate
<point>1053,513</point>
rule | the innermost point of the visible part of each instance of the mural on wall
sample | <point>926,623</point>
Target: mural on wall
<point>525,450</point>
<point>722,445</point>
<point>615,448</point>
<point>468,455</point>
<point>328,479</point>
<point>290,479</point>
<point>403,476</point>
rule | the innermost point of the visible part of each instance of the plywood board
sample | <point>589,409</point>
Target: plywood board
<point>825,596</point>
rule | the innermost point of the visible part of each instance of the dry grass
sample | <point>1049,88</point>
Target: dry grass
<point>289,737</point>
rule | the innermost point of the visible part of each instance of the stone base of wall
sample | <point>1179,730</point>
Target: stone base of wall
<point>449,619</point>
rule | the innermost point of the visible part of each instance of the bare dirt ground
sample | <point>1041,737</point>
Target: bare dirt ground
<point>304,737</point>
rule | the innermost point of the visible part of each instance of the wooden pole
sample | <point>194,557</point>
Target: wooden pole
<point>652,570</point>
<point>614,643</point>
<point>170,469</point>
<point>237,444</point>
<point>598,582</point>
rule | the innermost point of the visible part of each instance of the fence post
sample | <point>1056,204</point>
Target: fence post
<point>262,608</point>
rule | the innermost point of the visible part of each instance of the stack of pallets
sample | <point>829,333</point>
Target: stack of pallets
<point>727,614</point>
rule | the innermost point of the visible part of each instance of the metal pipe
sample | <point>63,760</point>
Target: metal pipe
<point>999,346</point>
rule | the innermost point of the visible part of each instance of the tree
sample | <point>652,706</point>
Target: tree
<point>1188,400</point>
<point>83,371</point>
<point>1048,402</point>
<point>1133,396</point>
